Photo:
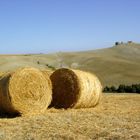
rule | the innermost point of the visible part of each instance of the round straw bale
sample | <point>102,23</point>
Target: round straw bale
<point>75,89</point>
<point>2,73</point>
<point>25,91</point>
<point>5,104</point>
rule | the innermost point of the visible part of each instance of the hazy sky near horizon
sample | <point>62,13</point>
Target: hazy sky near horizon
<point>42,26</point>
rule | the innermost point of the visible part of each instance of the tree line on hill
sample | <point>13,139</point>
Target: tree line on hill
<point>134,88</point>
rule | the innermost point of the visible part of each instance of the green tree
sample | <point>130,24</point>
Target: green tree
<point>113,88</point>
<point>121,88</point>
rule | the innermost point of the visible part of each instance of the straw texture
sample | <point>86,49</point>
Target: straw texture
<point>75,89</point>
<point>25,91</point>
<point>2,73</point>
<point>47,72</point>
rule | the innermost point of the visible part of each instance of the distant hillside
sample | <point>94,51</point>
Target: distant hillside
<point>119,64</point>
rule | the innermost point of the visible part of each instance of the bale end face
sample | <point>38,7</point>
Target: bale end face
<point>27,91</point>
<point>65,88</point>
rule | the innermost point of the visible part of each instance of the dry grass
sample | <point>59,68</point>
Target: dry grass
<point>116,118</point>
<point>75,89</point>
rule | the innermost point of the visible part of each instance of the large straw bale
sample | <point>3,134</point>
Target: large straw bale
<point>75,89</point>
<point>25,91</point>
<point>2,73</point>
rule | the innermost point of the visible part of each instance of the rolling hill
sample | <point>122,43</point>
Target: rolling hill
<point>116,65</point>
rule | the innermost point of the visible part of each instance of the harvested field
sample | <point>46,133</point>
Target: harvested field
<point>117,117</point>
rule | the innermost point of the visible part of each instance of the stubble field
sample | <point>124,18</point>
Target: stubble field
<point>117,117</point>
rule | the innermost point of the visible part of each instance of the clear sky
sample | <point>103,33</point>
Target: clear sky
<point>42,26</point>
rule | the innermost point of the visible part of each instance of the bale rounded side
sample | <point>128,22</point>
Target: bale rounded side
<point>5,103</point>
<point>2,73</point>
<point>47,72</point>
<point>90,89</point>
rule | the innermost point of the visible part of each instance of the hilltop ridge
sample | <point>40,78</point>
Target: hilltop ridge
<point>119,64</point>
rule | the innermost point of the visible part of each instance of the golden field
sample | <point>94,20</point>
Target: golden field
<point>114,65</point>
<point>117,117</point>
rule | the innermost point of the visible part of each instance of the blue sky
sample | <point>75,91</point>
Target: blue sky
<point>42,26</point>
